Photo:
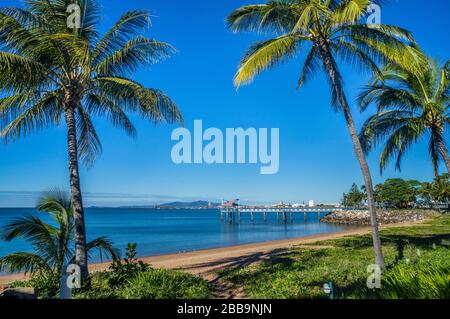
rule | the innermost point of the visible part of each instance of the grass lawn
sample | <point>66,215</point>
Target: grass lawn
<point>301,272</point>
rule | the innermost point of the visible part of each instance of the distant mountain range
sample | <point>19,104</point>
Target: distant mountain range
<point>199,204</point>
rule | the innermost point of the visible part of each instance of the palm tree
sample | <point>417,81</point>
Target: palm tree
<point>410,106</point>
<point>333,30</point>
<point>51,73</point>
<point>52,243</point>
<point>441,189</point>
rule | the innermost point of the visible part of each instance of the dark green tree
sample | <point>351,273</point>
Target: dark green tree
<point>355,197</point>
<point>397,193</point>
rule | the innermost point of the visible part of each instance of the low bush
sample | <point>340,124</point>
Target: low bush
<point>130,267</point>
<point>165,284</point>
<point>148,284</point>
<point>46,286</point>
<point>414,282</point>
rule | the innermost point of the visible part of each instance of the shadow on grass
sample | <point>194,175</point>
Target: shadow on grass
<point>278,256</point>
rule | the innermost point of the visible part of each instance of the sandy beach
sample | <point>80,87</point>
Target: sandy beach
<point>206,262</point>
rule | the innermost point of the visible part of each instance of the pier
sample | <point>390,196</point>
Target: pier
<point>286,213</point>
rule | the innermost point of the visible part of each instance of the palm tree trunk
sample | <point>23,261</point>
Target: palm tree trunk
<point>75,189</point>
<point>444,154</point>
<point>331,69</point>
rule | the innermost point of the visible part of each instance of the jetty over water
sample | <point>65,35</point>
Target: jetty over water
<point>234,212</point>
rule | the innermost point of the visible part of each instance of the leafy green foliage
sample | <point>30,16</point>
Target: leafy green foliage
<point>165,284</point>
<point>301,272</point>
<point>437,191</point>
<point>410,105</point>
<point>337,24</point>
<point>46,285</point>
<point>397,193</point>
<point>133,279</point>
<point>147,284</point>
<point>53,243</point>
<point>354,198</point>
<point>47,68</point>
<point>414,282</point>
<point>121,272</point>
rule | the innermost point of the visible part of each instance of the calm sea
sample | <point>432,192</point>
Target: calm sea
<point>159,232</point>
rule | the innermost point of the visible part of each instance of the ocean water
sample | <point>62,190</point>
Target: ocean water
<point>159,232</point>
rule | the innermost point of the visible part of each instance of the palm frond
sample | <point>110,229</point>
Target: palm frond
<point>131,96</point>
<point>264,55</point>
<point>129,26</point>
<point>273,17</point>
<point>104,247</point>
<point>136,52</point>
<point>26,262</point>
<point>309,69</point>
<point>38,115</point>
<point>89,145</point>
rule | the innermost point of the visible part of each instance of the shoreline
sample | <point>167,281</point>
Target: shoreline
<point>207,261</point>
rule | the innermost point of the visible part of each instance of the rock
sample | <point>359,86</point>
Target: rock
<point>18,293</point>
<point>362,217</point>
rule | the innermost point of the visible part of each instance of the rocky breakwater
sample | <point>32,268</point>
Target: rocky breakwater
<point>362,217</point>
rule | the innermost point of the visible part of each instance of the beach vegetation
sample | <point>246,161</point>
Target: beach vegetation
<point>397,193</point>
<point>120,271</point>
<point>52,243</point>
<point>411,105</point>
<point>415,255</point>
<point>134,279</point>
<point>54,72</point>
<point>355,198</point>
<point>413,281</point>
<point>330,32</point>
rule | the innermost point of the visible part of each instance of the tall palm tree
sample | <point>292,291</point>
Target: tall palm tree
<point>333,30</point>
<point>51,73</point>
<point>52,243</point>
<point>410,106</point>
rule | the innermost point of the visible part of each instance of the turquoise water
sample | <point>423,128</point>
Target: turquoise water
<point>171,231</point>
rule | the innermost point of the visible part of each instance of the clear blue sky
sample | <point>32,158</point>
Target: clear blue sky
<point>316,157</point>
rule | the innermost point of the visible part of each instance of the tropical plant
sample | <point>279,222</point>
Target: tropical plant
<point>410,106</point>
<point>354,198</point>
<point>334,30</point>
<point>437,191</point>
<point>414,282</point>
<point>51,73</point>
<point>130,267</point>
<point>52,242</point>
<point>397,192</point>
<point>165,284</point>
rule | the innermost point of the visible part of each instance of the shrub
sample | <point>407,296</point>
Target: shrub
<point>46,285</point>
<point>415,282</point>
<point>130,267</point>
<point>165,284</point>
<point>132,279</point>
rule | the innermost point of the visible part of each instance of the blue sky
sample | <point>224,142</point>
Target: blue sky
<point>316,155</point>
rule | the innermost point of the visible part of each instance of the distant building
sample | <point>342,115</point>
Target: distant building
<point>230,203</point>
<point>311,203</point>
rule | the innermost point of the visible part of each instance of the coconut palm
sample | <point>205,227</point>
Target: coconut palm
<point>52,73</point>
<point>333,30</point>
<point>52,242</point>
<point>410,106</point>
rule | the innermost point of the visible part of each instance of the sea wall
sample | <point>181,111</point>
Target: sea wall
<point>362,217</point>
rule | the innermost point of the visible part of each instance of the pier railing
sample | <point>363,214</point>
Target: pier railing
<point>234,213</point>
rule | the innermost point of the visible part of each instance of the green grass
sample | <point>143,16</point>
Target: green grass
<point>149,284</point>
<point>301,272</point>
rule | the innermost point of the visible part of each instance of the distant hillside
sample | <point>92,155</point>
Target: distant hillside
<point>195,204</point>
<point>200,204</point>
